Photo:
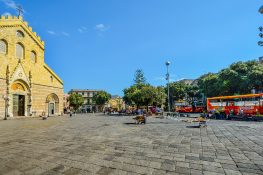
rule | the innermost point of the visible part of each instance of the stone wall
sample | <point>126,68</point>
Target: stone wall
<point>2,101</point>
<point>39,97</point>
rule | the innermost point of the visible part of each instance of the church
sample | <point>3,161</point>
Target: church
<point>28,86</point>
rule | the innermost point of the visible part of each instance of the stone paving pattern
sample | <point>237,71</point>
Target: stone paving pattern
<point>89,144</point>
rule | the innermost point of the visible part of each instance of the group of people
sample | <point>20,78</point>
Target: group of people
<point>138,111</point>
<point>125,111</point>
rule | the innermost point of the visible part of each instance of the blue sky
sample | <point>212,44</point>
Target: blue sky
<point>98,44</point>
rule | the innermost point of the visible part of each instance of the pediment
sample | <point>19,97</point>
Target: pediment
<point>19,74</point>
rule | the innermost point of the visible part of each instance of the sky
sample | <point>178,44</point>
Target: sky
<point>99,44</point>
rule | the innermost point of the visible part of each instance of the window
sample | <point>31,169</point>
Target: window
<point>20,34</point>
<point>3,47</point>
<point>33,57</point>
<point>19,51</point>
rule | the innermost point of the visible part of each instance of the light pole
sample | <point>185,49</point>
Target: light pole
<point>167,63</point>
<point>260,10</point>
<point>260,43</point>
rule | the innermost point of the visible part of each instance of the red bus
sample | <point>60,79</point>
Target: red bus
<point>198,107</point>
<point>238,105</point>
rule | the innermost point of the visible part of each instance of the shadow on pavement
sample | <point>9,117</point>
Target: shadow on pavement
<point>193,126</point>
<point>131,123</point>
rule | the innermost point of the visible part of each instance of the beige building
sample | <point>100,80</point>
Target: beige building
<point>116,103</point>
<point>87,94</point>
<point>66,102</point>
<point>27,85</point>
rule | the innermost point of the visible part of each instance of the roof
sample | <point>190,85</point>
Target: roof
<point>53,73</point>
<point>18,21</point>
<point>235,96</point>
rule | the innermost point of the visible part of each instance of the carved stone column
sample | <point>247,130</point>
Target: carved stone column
<point>30,94</point>
<point>7,99</point>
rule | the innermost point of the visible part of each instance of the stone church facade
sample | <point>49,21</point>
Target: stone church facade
<point>28,87</point>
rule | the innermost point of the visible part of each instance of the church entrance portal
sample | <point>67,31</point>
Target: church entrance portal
<point>18,105</point>
<point>51,109</point>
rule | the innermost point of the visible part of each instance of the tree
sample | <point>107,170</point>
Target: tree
<point>208,83</point>
<point>144,95</point>
<point>238,78</point>
<point>193,93</point>
<point>255,77</point>
<point>139,78</point>
<point>76,101</point>
<point>177,90</point>
<point>100,98</point>
<point>160,96</point>
<point>129,94</point>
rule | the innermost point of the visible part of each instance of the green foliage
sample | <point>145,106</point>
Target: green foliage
<point>193,93</point>
<point>177,90</point>
<point>208,84</point>
<point>181,91</point>
<point>144,95</point>
<point>76,101</point>
<point>139,78</point>
<point>160,96</point>
<point>101,97</point>
<point>238,78</point>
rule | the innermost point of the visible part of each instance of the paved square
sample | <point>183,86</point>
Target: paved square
<point>89,144</point>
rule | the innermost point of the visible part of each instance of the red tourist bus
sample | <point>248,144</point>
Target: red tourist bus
<point>238,105</point>
<point>183,108</point>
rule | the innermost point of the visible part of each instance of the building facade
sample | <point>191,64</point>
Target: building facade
<point>28,87</point>
<point>66,103</point>
<point>116,103</point>
<point>87,94</point>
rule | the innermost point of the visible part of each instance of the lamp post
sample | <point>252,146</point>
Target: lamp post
<point>260,10</point>
<point>167,63</point>
<point>260,43</point>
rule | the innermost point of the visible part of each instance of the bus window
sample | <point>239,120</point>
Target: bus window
<point>253,101</point>
<point>239,103</point>
<point>231,103</point>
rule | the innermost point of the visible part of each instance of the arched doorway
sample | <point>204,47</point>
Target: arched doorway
<point>19,99</point>
<point>52,104</point>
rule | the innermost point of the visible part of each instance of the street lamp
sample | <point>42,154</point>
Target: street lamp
<point>260,43</point>
<point>167,63</point>
<point>261,10</point>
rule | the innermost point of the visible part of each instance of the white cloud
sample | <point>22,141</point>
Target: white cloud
<point>10,3</point>
<point>6,14</point>
<point>51,32</point>
<point>82,29</point>
<point>13,5</point>
<point>65,33</point>
<point>101,27</point>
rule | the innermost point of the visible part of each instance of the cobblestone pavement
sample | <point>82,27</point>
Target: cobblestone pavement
<point>88,144</point>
